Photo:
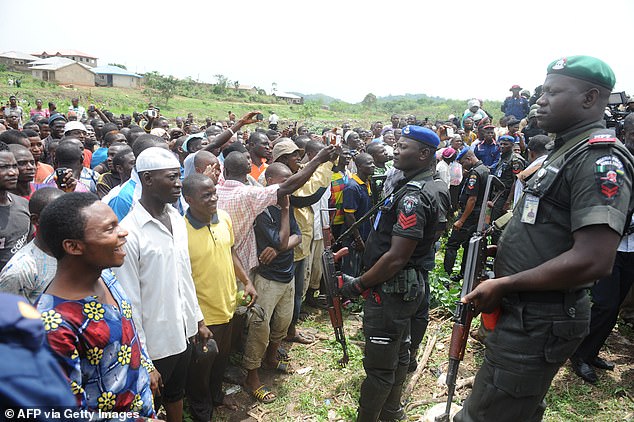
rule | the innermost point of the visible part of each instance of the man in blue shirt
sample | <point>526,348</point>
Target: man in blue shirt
<point>357,201</point>
<point>487,150</point>
<point>515,105</point>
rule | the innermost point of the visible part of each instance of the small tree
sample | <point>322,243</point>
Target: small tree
<point>221,85</point>
<point>118,65</point>
<point>157,85</point>
<point>308,110</point>
<point>369,101</point>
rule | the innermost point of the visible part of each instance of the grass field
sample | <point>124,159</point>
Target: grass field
<point>202,103</point>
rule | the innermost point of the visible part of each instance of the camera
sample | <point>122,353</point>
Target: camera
<point>60,173</point>
<point>259,117</point>
<point>614,114</point>
<point>151,113</point>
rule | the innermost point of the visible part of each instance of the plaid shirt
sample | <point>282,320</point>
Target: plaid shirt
<point>244,203</point>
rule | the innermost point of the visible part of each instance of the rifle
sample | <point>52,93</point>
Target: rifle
<point>475,272</point>
<point>333,281</point>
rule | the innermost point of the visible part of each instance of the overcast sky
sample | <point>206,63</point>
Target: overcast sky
<point>343,48</point>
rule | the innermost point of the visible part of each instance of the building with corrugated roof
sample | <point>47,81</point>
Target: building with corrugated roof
<point>116,76</point>
<point>17,61</point>
<point>63,71</point>
<point>76,55</point>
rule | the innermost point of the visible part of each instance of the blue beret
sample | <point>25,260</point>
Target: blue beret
<point>421,134</point>
<point>508,138</point>
<point>462,153</point>
<point>56,116</point>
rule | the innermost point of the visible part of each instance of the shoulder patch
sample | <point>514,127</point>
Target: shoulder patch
<point>471,182</point>
<point>410,202</point>
<point>609,173</point>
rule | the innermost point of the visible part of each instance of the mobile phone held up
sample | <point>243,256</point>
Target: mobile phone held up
<point>60,174</point>
<point>259,117</point>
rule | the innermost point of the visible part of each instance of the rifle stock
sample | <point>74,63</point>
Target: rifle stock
<point>333,281</point>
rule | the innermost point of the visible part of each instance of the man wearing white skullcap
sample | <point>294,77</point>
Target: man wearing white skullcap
<point>156,275</point>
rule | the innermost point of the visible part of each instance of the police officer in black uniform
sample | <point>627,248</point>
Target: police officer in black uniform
<point>563,237</point>
<point>29,374</point>
<point>507,169</point>
<point>402,234</point>
<point>420,320</point>
<point>470,200</point>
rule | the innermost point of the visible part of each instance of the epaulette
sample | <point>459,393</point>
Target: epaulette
<point>603,138</point>
<point>415,183</point>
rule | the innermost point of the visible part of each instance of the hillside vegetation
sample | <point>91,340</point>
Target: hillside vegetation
<point>206,100</point>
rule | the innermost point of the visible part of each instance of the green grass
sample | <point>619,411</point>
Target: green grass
<point>200,101</point>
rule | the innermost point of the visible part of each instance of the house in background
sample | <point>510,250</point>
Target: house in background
<point>116,76</point>
<point>75,55</point>
<point>17,61</point>
<point>62,71</point>
<point>249,89</point>
<point>289,98</point>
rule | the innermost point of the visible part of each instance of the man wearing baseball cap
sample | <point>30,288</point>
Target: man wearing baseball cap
<point>515,105</point>
<point>401,236</point>
<point>285,151</point>
<point>563,236</point>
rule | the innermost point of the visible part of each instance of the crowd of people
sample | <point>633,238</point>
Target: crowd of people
<point>155,248</point>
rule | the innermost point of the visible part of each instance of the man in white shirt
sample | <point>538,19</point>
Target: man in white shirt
<point>273,119</point>
<point>448,155</point>
<point>79,110</point>
<point>157,277</point>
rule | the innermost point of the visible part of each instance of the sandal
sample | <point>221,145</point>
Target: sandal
<point>263,395</point>
<point>301,337</point>
<point>282,354</point>
<point>283,366</point>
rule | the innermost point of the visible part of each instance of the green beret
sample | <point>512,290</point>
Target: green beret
<point>586,68</point>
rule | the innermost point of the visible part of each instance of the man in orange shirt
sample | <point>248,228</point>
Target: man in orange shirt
<point>42,170</point>
<point>259,147</point>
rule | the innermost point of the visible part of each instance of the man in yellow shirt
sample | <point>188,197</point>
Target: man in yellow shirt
<point>215,267</point>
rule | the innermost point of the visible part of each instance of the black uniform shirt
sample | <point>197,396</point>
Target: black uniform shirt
<point>473,185</point>
<point>593,188</point>
<point>508,168</point>
<point>413,215</point>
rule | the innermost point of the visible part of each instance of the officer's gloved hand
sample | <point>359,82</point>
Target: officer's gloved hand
<point>352,286</point>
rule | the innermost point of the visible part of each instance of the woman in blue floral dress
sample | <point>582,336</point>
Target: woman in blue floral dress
<point>87,318</point>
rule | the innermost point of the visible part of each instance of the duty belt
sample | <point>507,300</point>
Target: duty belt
<point>568,300</point>
<point>406,282</point>
<point>549,296</point>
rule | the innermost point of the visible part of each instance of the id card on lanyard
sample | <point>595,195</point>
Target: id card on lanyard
<point>529,211</point>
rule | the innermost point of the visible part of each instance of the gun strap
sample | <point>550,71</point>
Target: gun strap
<point>376,206</point>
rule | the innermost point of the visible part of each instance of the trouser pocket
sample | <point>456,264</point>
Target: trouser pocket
<point>564,338</point>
